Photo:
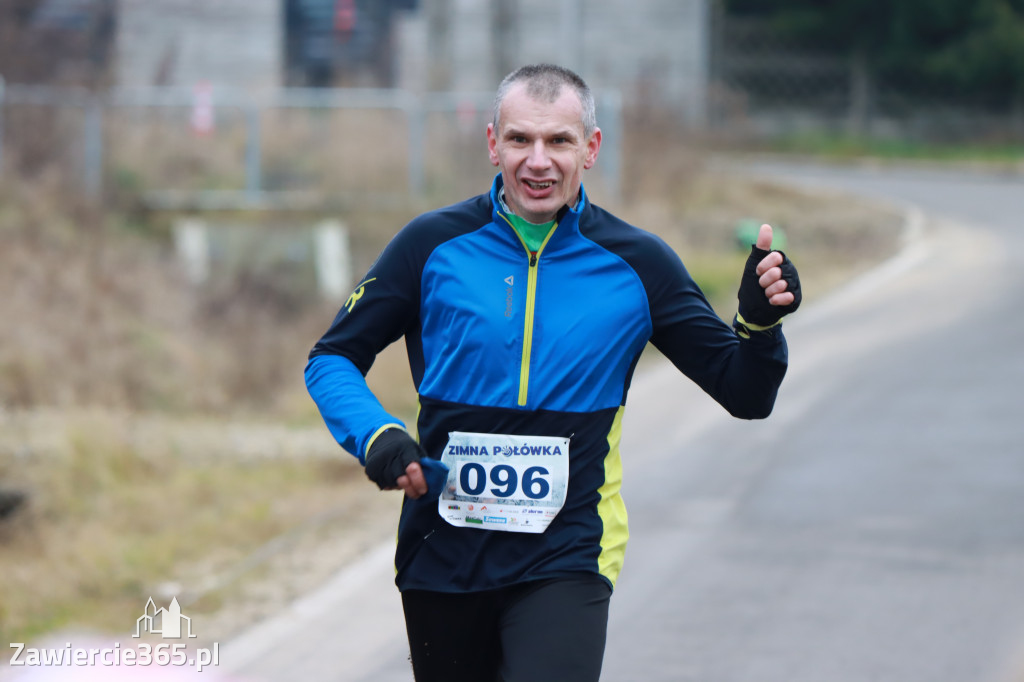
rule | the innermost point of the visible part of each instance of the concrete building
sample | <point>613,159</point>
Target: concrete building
<point>657,50</point>
<point>237,43</point>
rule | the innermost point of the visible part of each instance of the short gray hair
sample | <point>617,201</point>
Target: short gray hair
<point>545,82</point>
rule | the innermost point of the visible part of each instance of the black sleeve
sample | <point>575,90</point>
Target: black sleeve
<point>742,374</point>
<point>384,305</point>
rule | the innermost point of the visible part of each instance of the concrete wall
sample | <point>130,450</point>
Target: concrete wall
<point>235,43</point>
<point>657,50</point>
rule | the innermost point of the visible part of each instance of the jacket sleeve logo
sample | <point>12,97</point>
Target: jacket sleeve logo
<point>357,294</point>
<point>509,296</point>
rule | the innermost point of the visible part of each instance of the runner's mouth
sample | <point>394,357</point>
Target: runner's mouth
<point>538,185</point>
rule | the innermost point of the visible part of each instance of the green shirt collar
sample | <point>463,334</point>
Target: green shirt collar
<point>532,234</point>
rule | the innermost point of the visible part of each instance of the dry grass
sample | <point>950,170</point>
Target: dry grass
<point>672,190</point>
<point>163,432</point>
<point>126,506</point>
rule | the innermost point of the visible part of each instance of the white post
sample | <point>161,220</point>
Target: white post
<point>333,260</point>
<point>192,243</point>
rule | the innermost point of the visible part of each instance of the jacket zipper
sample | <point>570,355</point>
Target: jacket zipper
<point>531,296</point>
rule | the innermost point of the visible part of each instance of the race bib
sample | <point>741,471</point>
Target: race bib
<point>503,482</point>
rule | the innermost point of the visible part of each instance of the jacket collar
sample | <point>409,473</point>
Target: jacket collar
<point>568,217</point>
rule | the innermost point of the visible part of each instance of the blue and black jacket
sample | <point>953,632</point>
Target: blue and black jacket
<point>502,340</point>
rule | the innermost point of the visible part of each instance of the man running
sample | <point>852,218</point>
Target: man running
<point>524,312</point>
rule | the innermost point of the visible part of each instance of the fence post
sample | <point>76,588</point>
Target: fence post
<point>192,242</point>
<point>860,95</point>
<point>1,125</point>
<point>415,114</point>
<point>253,151</point>
<point>92,152</point>
<point>333,260</point>
<point>611,151</point>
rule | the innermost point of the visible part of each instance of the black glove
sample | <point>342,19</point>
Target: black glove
<point>754,307</point>
<point>389,455</point>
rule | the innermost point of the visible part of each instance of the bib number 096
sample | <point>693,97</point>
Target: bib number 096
<point>505,481</point>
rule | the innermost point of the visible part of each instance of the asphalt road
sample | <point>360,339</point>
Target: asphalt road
<point>871,530</point>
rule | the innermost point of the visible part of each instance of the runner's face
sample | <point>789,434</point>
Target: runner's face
<point>541,151</point>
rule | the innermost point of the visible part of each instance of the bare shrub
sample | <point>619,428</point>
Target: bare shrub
<point>96,315</point>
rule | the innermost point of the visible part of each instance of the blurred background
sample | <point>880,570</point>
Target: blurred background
<point>190,188</point>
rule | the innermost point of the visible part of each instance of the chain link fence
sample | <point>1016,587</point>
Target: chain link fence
<point>765,85</point>
<point>299,148</point>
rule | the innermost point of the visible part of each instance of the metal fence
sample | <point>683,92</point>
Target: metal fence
<point>210,148</point>
<point>768,85</point>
